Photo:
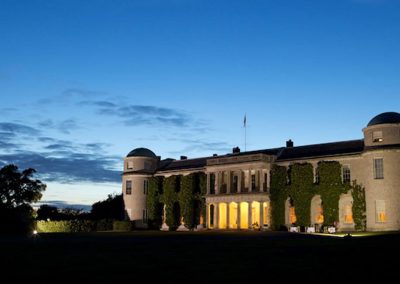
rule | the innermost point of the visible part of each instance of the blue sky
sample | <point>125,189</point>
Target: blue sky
<point>82,83</point>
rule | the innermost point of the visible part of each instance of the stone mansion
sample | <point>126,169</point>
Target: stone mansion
<point>238,183</point>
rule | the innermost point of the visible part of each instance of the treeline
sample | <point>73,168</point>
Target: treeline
<point>19,189</point>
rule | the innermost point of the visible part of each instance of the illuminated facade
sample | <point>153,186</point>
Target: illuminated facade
<point>238,184</point>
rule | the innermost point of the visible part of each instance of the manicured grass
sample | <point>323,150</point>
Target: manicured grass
<point>197,257</point>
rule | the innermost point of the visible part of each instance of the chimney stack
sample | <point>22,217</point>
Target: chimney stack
<point>289,143</point>
<point>183,157</point>
<point>236,150</point>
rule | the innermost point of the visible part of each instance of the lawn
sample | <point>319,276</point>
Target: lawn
<point>197,257</point>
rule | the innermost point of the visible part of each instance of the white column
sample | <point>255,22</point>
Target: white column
<point>238,216</point>
<point>228,182</point>
<point>207,221</point>
<point>250,215</point>
<point>216,216</point>
<point>208,183</point>
<point>217,182</point>
<point>240,181</point>
<point>227,216</point>
<point>261,214</point>
<point>249,181</point>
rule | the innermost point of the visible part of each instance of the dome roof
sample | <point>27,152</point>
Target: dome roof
<point>142,152</point>
<point>384,118</point>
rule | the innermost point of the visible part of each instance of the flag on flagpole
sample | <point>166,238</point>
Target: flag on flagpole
<point>244,121</point>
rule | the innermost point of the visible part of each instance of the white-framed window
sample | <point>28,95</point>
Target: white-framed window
<point>128,189</point>
<point>380,211</point>
<point>129,165</point>
<point>145,187</point>
<point>346,174</point>
<point>378,168</point>
<point>377,136</point>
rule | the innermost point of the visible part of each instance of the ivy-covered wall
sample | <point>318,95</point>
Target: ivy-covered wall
<point>278,195</point>
<point>186,199</point>
<point>298,183</point>
<point>359,206</point>
<point>301,189</point>
<point>154,206</point>
<point>169,198</point>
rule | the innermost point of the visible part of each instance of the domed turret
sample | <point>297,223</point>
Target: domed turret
<point>383,129</point>
<point>385,118</point>
<point>139,166</point>
<point>141,152</point>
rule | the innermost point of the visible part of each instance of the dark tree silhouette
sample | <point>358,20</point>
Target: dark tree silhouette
<point>47,212</point>
<point>111,208</point>
<point>17,191</point>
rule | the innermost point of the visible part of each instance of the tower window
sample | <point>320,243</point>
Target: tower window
<point>378,168</point>
<point>380,210</point>
<point>377,136</point>
<point>346,174</point>
<point>128,189</point>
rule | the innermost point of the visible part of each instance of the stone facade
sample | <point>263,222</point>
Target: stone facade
<point>238,184</point>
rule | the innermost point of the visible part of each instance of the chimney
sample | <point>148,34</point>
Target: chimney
<point>215,155</point>
<point>236,150</point>
<point>289,143</point>
<point>183,157</point>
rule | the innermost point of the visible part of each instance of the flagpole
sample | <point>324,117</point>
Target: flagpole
<point>245,132</point>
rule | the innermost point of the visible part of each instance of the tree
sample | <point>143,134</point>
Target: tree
<point>47,212</point>
<point>111,208</point>
<point>17,191</point>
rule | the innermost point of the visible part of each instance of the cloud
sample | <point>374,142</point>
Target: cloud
<point>64,126</point>
<point>69,167</point>
<point>81,92</point>
<point>63,204</point>
<point>134,115</point>
<point>16,128</point>
<point>67,125</point>
<point>193,146</point>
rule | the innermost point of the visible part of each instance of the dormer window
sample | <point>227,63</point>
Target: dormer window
<point>377,136</point>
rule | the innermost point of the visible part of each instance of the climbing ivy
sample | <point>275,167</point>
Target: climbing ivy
<point>169,198</point>
<point>201,196</point>
<point>154,207</point>
<point>301,190</point>
<point>278,194</point>
<point>359,206</point>
<point>186,199</point>
<point>330,188</point>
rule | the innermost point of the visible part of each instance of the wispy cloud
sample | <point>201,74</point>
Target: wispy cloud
<point>194,146</point>
<point>63,204</point>
<point>81,92</point>
<point>64,126</point>
<point>16,128</point>
<point>70,168</point>
<point>134,115</point>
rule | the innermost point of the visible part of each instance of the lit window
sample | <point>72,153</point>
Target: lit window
<point>378,168</point>
<point>129,165</point>
<point>319,218</point>
<point>377,136</point>
<point>380,211</point>
<point>292,215</point>
<point>128,190</point>
<point>145,187</point>
<point>348,214</point>
<point>346,174</point>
